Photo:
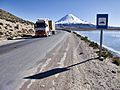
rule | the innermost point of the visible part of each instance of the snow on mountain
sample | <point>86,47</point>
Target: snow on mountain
<point>71,19</point>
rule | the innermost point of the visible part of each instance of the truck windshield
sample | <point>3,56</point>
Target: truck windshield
<point>39,25</point>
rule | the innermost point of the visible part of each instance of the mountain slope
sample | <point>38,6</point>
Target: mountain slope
<point>71,19</point>
<point>12,26</point>
<point>12,18</point>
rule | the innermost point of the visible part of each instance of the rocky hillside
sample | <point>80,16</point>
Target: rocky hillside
<point>12,26</point>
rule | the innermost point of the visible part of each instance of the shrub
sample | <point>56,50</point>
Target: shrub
<point>1,23</point>
<point>94,45</point>
<point>16,27</point>
<point>11,29</point>
<point>31,31</point>
<point>85,39</point>
<point>105,53</point>
<point>1,33</point>
<point>116,60</point>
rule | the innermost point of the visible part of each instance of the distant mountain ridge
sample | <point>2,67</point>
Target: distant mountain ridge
<point>12,18</point>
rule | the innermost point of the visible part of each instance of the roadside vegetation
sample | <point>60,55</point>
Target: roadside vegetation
<point>105,53</point>
<point>116,60</point>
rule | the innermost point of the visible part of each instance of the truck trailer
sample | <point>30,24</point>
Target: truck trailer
<point>52,27</point>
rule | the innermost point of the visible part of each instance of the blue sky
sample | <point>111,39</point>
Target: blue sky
<point>56,9</point>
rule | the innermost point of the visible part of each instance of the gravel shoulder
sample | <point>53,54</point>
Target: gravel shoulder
<point>73,65</point>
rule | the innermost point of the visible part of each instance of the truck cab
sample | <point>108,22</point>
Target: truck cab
<point>42,27</point>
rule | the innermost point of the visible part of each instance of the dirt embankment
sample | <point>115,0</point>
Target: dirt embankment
<point>73,65</point>
<point>10,30</point>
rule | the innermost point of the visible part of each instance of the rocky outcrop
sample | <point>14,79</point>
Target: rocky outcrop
<point>12,26</point>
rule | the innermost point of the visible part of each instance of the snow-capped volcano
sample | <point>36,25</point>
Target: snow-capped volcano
<point>70,19</point>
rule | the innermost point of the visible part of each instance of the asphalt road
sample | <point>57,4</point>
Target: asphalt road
<point>17,58</point>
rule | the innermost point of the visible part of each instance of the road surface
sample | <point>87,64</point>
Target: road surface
<point>21,58</point>
<point>59,62</point>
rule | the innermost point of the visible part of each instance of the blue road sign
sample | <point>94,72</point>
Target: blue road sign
<point>102,21</point>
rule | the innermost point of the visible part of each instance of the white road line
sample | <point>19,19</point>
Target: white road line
<point>46,63</point>
<point>61,63</point>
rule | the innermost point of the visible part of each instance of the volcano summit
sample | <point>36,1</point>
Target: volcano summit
<point>71,19</point>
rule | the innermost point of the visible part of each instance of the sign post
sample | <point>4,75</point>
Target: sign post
<point>102,23</point>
